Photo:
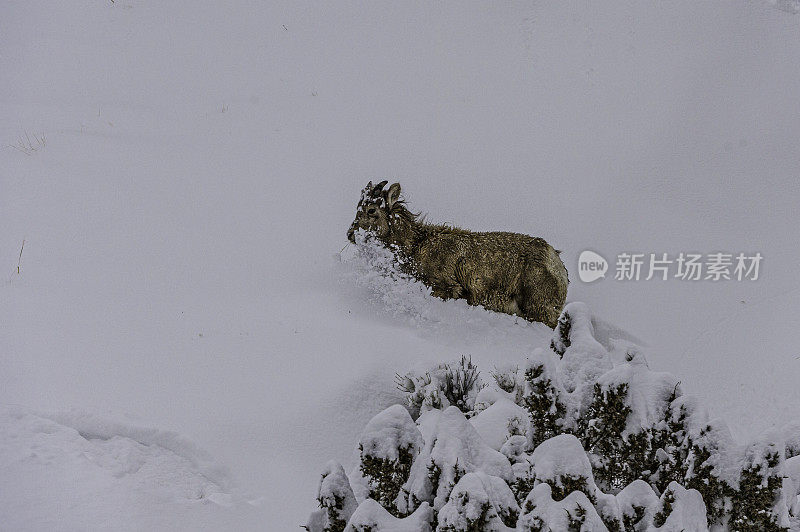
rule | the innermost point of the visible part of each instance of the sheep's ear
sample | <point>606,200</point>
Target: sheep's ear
<point>392,195</point>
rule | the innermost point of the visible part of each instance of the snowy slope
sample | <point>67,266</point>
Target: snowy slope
<point>202,162</point>
<point>82,472</point>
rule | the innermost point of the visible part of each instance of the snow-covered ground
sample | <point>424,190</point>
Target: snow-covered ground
<point>183,347</point>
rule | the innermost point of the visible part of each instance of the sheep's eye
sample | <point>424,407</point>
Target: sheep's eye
<point>371,211</point>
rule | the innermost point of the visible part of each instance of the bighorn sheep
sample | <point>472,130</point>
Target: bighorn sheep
<point>505,272</point>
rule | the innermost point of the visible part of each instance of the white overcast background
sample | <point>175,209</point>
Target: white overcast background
<point>202,161</point>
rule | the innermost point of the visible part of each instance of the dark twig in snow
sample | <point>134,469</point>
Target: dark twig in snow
<point>19,261</point>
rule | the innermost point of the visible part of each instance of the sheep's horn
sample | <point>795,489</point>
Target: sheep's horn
<point>379,187</point>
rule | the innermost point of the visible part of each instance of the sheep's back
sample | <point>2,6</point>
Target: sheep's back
<point>501,256</point>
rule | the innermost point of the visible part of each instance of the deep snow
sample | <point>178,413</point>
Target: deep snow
<point>202,162</point>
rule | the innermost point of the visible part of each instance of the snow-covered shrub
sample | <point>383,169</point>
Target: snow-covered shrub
<point>562,463</point>
<point>422,393</point>
<point>705,476</point>
<point>336,500</point>
<point>521,466</point>
<point>561,340</point>
<point>640,426</point>
<point>583,362</point>
<point>758,503</point>
<point>604,423</point>
<point>582,358</point>
<point>791,435</point>
<point>617,427</point>
<point>455,384</point>
<point>452,449</point>
<point>508,379</point>
<point>479,502</point>
<point>573,513</point>
<point>524,479</point>
<point>672,444</point>
<point>691,450</point>
<point>637,504</point>
<point>514,449</point>
<point>461,384</point>
<point>680,510</point>
<point>489,394</point>
<point>791,485</point>
<point>588,440</point>
<point>542,398</point>
<point>612,424</point>
<point>387,449</point>
<point>372,517</point>
<point>500,421</point>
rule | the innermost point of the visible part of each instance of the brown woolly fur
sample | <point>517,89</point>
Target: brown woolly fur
<point>505,272</point>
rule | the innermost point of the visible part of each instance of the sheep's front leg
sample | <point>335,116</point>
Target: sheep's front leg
<point>502,303</point>
<point>467,283</point>
<point>441,293</point>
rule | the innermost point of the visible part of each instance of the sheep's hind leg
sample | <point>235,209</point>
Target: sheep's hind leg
<point>476,294</point>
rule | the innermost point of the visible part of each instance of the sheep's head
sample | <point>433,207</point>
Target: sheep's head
<point>374,208</point>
